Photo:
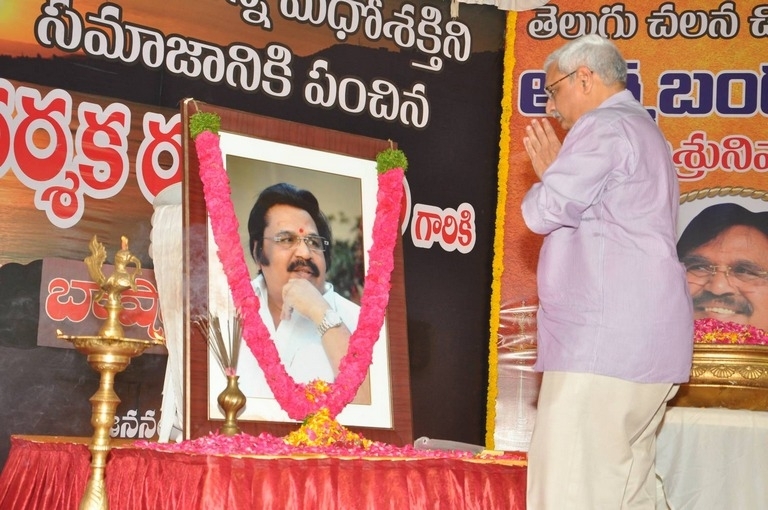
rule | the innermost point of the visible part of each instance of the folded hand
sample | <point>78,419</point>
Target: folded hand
<point>541,144</point>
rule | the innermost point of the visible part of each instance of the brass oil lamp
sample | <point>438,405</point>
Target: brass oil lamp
<point>109,353</point>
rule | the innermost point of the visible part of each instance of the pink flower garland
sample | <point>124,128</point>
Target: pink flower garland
<point>713,331</point>
<point>268,445</point>
<point>354,365</point>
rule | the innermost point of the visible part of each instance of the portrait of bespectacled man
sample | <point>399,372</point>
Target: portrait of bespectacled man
<point>305,245</point>
<point>724,247</point>
<point>290,239</point>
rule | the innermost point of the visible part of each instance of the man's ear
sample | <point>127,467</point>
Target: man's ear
<point>258,256</point>
<point>585,78</point>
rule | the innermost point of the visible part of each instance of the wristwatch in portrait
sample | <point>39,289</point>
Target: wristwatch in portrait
<point>331,320</point>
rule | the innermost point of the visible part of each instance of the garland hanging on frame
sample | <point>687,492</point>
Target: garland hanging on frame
<point>302,400</point>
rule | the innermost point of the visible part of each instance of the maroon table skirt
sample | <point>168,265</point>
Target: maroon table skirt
<point>51,473</point>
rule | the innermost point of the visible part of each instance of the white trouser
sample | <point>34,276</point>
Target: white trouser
<point>594,443</point>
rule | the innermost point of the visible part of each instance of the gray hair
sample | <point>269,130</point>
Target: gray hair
<point>598,54</point>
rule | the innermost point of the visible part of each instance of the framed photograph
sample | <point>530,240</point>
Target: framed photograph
<point>340,170</point>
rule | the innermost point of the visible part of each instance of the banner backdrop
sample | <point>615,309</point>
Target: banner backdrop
<point>699,68</point>
<point>89,92</point>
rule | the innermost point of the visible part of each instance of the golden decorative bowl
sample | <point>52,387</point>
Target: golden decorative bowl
<point>734,376</point>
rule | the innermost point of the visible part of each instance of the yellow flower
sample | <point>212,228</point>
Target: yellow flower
<point>319,429</point>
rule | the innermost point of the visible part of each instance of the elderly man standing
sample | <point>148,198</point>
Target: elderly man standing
<point>615,320</point>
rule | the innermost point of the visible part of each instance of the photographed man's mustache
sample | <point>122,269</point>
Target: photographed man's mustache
<point>304,263</point>
<point>709,300</point>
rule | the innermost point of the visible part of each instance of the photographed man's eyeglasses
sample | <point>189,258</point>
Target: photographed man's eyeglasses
<point>314,242</point>
<point>701,274</point>
<point>549,88</point>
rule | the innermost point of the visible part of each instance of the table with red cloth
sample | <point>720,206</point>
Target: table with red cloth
<point>51,473</point>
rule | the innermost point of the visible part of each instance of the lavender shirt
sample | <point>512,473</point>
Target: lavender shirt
<point>613,298</point>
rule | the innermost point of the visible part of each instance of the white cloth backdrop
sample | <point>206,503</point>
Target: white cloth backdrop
<point>166,252</point>
<point>509,5</point>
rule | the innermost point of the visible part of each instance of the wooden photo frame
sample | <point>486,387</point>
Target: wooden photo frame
<point>276,147</point>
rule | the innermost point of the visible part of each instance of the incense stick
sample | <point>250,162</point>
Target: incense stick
<point>225,353</point>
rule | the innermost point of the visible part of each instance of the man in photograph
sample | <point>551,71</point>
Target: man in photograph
<point>290,240</point>
<point>725,252</point>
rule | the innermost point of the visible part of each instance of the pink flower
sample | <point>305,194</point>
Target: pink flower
<point>713,331</point>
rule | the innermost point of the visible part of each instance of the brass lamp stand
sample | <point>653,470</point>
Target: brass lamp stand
<point>109,353</point>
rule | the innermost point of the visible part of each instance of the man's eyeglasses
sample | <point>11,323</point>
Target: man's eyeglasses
<point>701,274</point>
<point>551,91</point>
<point>314,242</point>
